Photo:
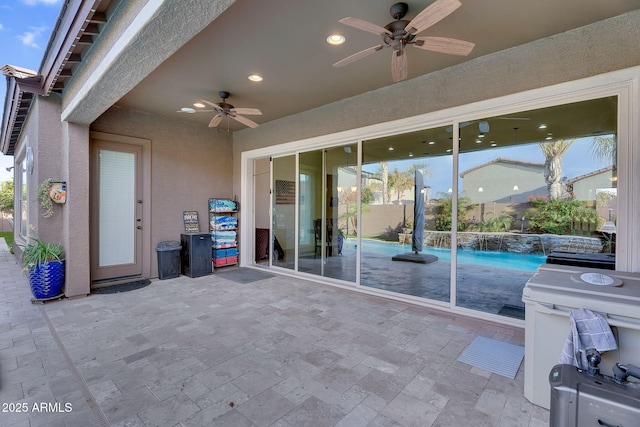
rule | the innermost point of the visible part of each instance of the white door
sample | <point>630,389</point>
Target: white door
<point>116,211</point>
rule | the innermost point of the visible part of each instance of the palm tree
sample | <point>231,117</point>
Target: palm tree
<point>553,152</point>
<point>384,177</point>
<point>606,148</point>
<point>400,181</point>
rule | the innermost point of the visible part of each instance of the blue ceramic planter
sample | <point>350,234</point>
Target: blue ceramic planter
<point>46,279</point>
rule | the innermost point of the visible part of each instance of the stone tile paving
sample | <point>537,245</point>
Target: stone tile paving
<point>278,351</point>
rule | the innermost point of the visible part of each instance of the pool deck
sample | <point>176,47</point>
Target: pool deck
<point>483,288</point>
<point>246,347</point>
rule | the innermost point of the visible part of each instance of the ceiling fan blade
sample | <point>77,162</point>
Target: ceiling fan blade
<point>213,104</point>
<point>363,25</point>
<point>358,55</point>
<point>444,45</point>
<point>245,121</point>
<point>215,121</point>
<point>249,111</point>
<point>399,65</point>
<point>431,15</point>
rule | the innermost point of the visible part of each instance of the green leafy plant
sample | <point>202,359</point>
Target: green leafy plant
<point>444,218</point>
<point>500,223</point>
<point>558,216</point>
<point>43,195</point>
<point>38,251</point>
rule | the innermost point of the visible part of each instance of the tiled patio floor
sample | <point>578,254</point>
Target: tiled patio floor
<point>245,348</point>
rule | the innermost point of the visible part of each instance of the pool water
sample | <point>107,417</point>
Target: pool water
<point>486,258</point>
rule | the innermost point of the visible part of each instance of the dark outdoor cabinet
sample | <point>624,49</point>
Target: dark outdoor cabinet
<point>196,254</point>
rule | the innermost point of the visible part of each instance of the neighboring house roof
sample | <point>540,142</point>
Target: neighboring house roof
<point>590,174</point>
<point>501,160</point>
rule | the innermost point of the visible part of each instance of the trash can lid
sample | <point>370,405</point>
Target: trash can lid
<point>168,246</point>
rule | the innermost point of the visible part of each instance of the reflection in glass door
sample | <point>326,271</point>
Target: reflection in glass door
<point>389,218</point>
<point>533,183</point>
<point>283,211</point>
<point>523,186</point>
<point>324,212</point>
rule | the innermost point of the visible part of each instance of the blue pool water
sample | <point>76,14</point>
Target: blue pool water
<point>486,258</point>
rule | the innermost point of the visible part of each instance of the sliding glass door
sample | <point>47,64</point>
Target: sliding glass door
<point>283,211</point>
<point>533,184</point>
<point>405,213</point>
<point>325,212</point>
<point>462,224</point>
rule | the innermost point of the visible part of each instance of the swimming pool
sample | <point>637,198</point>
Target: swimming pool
<point>494,259</point>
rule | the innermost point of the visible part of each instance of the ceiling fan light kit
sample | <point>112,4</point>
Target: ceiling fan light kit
<point>400,33</point>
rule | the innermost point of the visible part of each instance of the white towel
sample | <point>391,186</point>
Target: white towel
<point>588,330</point>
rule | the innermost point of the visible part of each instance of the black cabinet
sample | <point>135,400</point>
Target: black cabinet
<point>196,254</point>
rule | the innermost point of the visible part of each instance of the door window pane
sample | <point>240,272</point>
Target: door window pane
<point>284,211</point>
<point>399,206</point>
<point>117,208</point>
<point>533,183</point>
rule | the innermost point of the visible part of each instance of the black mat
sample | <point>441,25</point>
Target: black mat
<point>512,311</point>
<point>418,258</point>
<point>122,287</point>
<point>242,275</point>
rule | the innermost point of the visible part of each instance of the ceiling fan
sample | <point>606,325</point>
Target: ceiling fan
<point>401,32</point>
<point>224,109</point>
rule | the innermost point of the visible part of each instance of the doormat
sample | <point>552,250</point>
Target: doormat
<point>122,287</point>
<point>242,275</point>
<point>494,356</point>
<point>512,311</point>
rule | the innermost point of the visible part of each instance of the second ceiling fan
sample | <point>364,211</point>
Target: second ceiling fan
<point>401,33</point>
<point>224,109</point>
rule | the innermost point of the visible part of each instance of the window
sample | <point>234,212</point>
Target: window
<point>21,198</point>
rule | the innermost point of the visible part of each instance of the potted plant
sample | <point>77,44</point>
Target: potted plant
<point>46,266</point>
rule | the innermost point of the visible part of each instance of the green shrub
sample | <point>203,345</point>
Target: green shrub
<point>443,218</point>
<point>558,216</point>
<point>495,225</point>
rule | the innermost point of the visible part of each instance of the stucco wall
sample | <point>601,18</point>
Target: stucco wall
<point>189,165</point>
<point>42,133</point>
<point>586,188</point>
<point>498,179</point>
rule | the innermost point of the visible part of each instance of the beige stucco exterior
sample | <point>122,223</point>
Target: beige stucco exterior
<point>504,181</point>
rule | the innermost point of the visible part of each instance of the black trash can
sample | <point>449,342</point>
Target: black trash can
<point>168,259</point>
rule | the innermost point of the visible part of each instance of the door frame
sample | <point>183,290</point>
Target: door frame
<point>145,176</point>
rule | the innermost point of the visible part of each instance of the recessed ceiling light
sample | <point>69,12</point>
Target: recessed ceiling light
<point>390,148</point>
<point>255,78</point>
<point>410,154</point>
<point>542,126</point>
<point>336,39</point>
<point>493,144</point>
<point>431,142</point>
<point>199,104</point>
<point>187,110</point>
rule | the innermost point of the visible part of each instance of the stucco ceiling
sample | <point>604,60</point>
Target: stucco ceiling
<point>285,42</point>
